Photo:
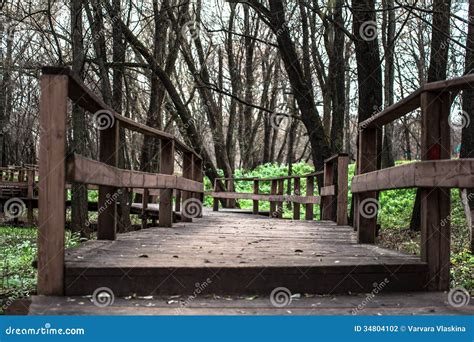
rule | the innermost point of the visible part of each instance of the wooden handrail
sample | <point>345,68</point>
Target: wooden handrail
<point>433,176</point>
<point>412,102</point>
<point>58,85</point>
<point>333,194</point>
<point>83,96</point>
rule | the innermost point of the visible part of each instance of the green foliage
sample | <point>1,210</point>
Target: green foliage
<point>18,253</point>
<point>268,170</point>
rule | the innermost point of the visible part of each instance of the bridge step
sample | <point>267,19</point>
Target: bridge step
<point>247,280</point>
<point>230,253</point>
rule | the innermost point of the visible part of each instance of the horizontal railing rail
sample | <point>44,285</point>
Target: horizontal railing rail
<point>433,176</point>
<point>332,197</point>
<point>56,169</point>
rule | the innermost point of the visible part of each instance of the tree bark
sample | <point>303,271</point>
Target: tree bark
<point>79,197</point>
<point>436,71</point>
<point>467,139</point>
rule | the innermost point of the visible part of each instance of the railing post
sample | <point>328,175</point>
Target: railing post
<point>21,175</point>
<point>309,192</point>
<point>52,183</point>
<point>365,218</point>
<point>341,189</point>
<point>109,146</point>
<point>198,177</point>
<point>327,202</point>
<point>296,192</point>
<point>281,191</point>
<point>215,204</point>
<point>165,210</point>
<point>255,191</point>
<point>186,196</point>
<point>177,203</point>
<point>30,178</point>
<point>273,192</point>
<point>230,202</point>
<point>435,202</point>
<point>146,195</point>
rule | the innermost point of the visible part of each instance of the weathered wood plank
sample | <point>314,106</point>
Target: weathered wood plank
<point>52,181</point>
<point>296,192</point>
<point>342,189</point>
<point>309,192</point>
<point>436,202</point>
<point>166,195</point>
<point>188,164</point>
<point>456,173</point>
<point>365,219</point>
<point>266,197</point>
<point>84,170</point>
<point>255,202</point>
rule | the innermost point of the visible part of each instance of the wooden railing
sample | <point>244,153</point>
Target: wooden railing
<point>332,198</point>
<point>434,175</point>
<point>19,182</point>
<point>56,169</point>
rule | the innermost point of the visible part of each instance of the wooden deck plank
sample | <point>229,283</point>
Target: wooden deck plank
<point>244,254</point>
<point>419,303</point>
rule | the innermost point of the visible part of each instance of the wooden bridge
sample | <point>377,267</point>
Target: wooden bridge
<point>236,252</point>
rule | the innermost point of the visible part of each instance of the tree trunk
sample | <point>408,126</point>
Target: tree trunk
<point>467,139</point>
<point>337,67</point>
<point>436,72</point>
<point>79,198</point>
<point>302,88</point>
<point>388,36</point>
<point>118,57</point>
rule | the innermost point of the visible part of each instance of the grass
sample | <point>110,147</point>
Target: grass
<point>18,244</point>
<point>18,254</point>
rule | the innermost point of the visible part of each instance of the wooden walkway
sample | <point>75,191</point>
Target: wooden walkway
<point>239,254</point>
<point>410,303</point>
